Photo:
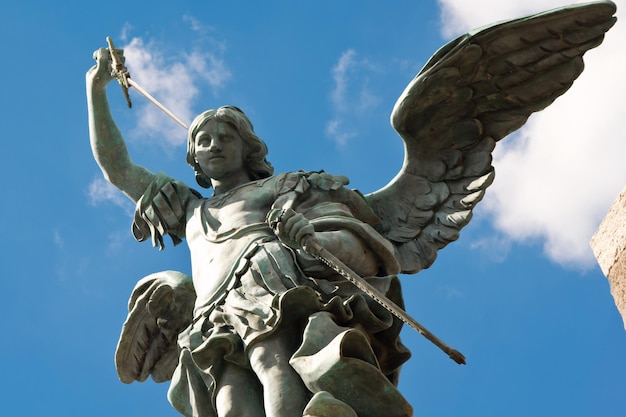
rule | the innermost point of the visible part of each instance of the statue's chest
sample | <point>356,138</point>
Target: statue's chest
<point>227,216</point>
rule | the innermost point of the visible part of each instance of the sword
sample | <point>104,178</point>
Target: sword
<point>311,246</point>
<point>121,74</point>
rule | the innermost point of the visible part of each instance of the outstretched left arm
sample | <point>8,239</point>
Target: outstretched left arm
<point>107,142</point>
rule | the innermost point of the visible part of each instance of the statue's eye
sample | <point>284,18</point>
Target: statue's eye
<point>203,140</point>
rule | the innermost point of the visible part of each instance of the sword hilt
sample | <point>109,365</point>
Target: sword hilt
<point>119,71</point>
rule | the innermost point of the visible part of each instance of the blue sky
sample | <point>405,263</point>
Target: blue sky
<point>519,294</point>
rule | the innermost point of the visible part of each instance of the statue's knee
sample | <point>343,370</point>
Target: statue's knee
<point>239,393</point>
<point>269,355</point>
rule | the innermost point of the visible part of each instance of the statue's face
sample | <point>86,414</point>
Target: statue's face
<point>219,150</point>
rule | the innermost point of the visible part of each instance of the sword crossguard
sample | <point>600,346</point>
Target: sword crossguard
<point>119,71</point>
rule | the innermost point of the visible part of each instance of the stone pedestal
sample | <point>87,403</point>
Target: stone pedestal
<point>609,247</point>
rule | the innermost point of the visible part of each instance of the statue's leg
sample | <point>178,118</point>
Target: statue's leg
<point>238,393</point>
<point>284,392</point>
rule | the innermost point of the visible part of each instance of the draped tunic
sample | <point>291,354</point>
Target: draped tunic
<point>249,285</point>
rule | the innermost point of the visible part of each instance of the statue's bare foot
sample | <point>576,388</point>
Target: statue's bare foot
<point>323,404</point>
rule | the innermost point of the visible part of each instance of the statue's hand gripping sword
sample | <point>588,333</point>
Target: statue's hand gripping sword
<point>121,74</point>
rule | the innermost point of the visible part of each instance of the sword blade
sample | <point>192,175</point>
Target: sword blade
<point>156,102</point>
<point>120,72</point>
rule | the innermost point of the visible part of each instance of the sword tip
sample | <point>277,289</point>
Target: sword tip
<point>458,357</point>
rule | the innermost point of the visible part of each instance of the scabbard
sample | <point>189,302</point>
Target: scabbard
<point>315,249</point>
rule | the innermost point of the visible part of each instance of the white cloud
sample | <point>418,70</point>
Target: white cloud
<point>195,24</point>
<point>101,191</point>
<point>175,81</point>
<point>209,68</point>
<point>557,179</point>
<point>451,292</point>
<point>459,16</point>
<point>117,240</point>
<point>495,248</point>
<point>351,98</point>
<point>125,32</point>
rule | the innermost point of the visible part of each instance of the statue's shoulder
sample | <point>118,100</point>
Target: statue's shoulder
<point>288,181</point>
<point>162,209</point>
<point>317,179</point>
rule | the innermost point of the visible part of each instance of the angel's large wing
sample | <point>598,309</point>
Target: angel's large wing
<point>473,92</point>
<point>160,306</point>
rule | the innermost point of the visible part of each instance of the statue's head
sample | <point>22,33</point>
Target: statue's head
<point>255,149</point>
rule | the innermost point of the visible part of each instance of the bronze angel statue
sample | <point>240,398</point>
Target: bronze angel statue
<point>262,327</point>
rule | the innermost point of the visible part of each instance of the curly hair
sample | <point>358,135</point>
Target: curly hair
<point>254,152</point>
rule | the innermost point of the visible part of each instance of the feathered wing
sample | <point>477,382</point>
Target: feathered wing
<point>473,92</point>
<point>160,307</point>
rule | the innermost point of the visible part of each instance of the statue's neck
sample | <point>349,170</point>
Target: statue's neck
<point>224,185</point>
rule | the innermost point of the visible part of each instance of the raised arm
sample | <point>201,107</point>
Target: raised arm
<point>107,142</point>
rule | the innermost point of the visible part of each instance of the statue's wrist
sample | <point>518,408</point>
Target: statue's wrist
<point>97,83</point>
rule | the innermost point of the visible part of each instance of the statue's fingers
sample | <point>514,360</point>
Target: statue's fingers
<point>303,232</point>
<point>292,224</point>
<point>120,54</point>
